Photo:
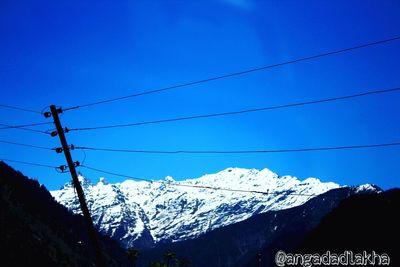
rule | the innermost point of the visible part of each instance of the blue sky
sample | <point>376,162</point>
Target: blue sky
<point>74,52</point>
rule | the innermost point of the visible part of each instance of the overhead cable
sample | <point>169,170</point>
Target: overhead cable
<point>306,149</point>
<point>24,129</point>
<point>29,163</point>
<point>25,145</point>
<point>20,108</point>
<point>23,126</point>
<point>296,104</point>
<point>236,73</point>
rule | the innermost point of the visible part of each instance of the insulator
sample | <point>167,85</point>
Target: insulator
<point>62,168</point>
<point>47,114</point>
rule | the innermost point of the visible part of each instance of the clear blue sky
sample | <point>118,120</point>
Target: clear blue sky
<point>73,52</point>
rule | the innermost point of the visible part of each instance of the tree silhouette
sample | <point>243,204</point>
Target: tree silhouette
<point>168,257</point>
<point>171,260</point>
<point>133,254</point>
<point>157,264</point>
<point>183,262</point>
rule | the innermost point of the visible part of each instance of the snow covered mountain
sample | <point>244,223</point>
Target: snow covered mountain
<point>142,214</point>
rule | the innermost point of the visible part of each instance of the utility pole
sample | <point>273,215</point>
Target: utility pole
<point>100,261</point>
<point>259,259</point>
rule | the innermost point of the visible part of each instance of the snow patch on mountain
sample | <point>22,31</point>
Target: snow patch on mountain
<point>368,188</point>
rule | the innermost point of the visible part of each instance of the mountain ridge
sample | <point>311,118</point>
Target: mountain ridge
<point>142,214</point>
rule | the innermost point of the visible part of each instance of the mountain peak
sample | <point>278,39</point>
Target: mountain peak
<point>85,182</point>
<point>102,181</point>
<point>311,180</point>
<point>367,188</point>
<point>169,179</point>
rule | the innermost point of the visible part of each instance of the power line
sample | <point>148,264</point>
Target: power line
<point>234,74</point>
<point>26,145</point>
<point>241,111</point>
<point>29,163</point>
<point>24,126</point>
<point>24,129</point>
<point>20,108</point>
<point>239,151</point>
<point>290,192</point>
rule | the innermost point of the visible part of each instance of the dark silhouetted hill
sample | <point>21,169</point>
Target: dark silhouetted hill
<point>360,223</point>
<point>37,231</point>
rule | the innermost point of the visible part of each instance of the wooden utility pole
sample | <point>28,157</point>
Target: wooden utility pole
<point>259,259</point>
<point>100,261</point>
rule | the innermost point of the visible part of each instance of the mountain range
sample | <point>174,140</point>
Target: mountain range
<point>144,214</point>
